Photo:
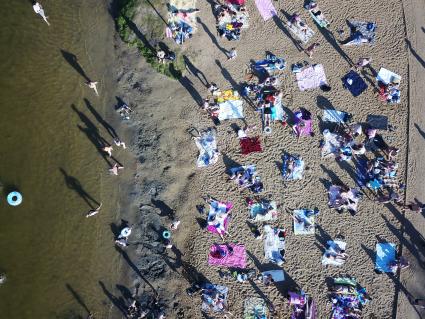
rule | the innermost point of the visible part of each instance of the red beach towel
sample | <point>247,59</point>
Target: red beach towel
<point>250,145</point>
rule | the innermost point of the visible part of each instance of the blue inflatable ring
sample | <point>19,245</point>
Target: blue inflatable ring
<point>166,234</point>
<point>14,198</point>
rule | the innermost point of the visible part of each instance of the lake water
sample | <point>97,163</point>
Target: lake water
<point>55,259</point>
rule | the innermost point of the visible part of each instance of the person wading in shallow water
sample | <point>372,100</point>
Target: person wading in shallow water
<point>92,85</point>
<point>93,212</point>
<point>115,168</point>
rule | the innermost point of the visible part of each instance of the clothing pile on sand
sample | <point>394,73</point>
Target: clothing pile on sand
<point>231,18</point>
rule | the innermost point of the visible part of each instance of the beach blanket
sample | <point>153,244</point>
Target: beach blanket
<point>274,244</point>
<point>229,255</point>
<point>304,222</point>
<point>230,110</point>
<point>277,275</point>
<point>250,145</point>
<point>335,116</point>
<point>266,9</point>
<point>379,122</point>
<point>311,77</point>
<point>362,176</point>
<point>263,211</point>
<point>357,86</point>
<point>209,302</point>
<point>269,65</point>
<point>385,254</point>
<point>297,31</point>
<point>303,125</point>
<point>277,110</point>
<point>323,23</point>
<point>336,198</point>
<point>296,171</point>
<point>218,217</point>
<point>330,145</point>
<point>182,10</point>
<point>364,28</point>
<point>255,308</point>
<point>207,145</point>
<point>386,76</point>
<point>334,247</point>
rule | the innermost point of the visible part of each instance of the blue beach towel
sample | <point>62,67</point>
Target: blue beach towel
<point>385,254</point>
<point>357,86</point>
<point>362,176</point>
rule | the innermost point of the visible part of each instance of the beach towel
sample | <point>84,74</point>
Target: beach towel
<point>274,244</point>
<point>277,110</point>
<point>218,217</point>
<point>263,211</point>
<point>357,86</point>
<point>230,255</point>
<point>364,28</point>
<point>311,77</point>
<point>250,145</point>
<point>255,308</point>
<point>303,36</point>
<point>277,275</point>
<point>323,23</point>
<point>333,247</point>
<point>335,198</point>
<point>330,145</point>
<point>207,145</point>
<point>209,293</point>
<point>269,65</point>
<point>379,122</point>
<point>304,222</point>
<point>297,170</point>
<point>335,116</point>
<point>385,254</point>
<point>237,2</point>
<point>266,9</point>
<point>362,176</point>
<point>303,124</point>
<point>230,110</point>
<point>386,76</point>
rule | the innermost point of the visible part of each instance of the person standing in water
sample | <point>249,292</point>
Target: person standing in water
<point>92,85</point>
<point>108,149</point>
<point>115,168</point>
<point>40,11</point>
<point>93,212</point>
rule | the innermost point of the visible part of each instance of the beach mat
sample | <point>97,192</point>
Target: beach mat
<point>277,275</point>
<point>385,254</point>
<point>230,110</point>
<point>362,176</point>
<point>335,116</point>
<point>250,145</point>
<point>266,9</point>
<point>236,258</point>
<point>300,228</point>
<point>357,87</point>
<point>311,77</point>
<point>379,122</point>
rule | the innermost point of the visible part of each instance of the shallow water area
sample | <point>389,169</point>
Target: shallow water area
<point>58,263</point>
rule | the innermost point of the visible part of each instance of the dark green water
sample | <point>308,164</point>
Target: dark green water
<point>53,256</point>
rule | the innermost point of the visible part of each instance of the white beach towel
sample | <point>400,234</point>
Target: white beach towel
<point>303,36</point>
<point>230,110</point>
<point>311,77</point>
<point>306,227</point>
<point>387,76</point>
<point>333,248</point>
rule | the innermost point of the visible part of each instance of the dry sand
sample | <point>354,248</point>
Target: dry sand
<point>168,182</point>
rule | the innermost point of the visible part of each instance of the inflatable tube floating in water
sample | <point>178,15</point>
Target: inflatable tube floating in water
<point>166,234</point>
<point>14,198</point>
<point>126,232</point>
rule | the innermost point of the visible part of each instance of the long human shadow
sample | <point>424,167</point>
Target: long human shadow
<point>212,36</point>
<point>133,27</point>
<point>75,185</point>
<point>111,131</point>
<point>195,71</point>
<point>73,61</point>
<point>135,269</point>
<point>322,237</point>
<point>227,75</point>
<point>188,85</point>
<point>285,30</point>
<point>324,103</point>
<point>78,298</point>
<point>420,131</point>
<point>329,36</point>
<point>333,177</point>
<point>177,261</point>
<point>117,302</point>
<point>92,133</point>
<point>164,208</point>
<point>415,54</point>
<point>157,12</point>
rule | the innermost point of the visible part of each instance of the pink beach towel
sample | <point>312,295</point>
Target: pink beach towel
<point>304,130</point>
<point>311,77</point>
<point>168,32</point>
<point>236,258</point>
<point>266,9</point>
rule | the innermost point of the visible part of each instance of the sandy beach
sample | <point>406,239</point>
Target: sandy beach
<point>168,185</point>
